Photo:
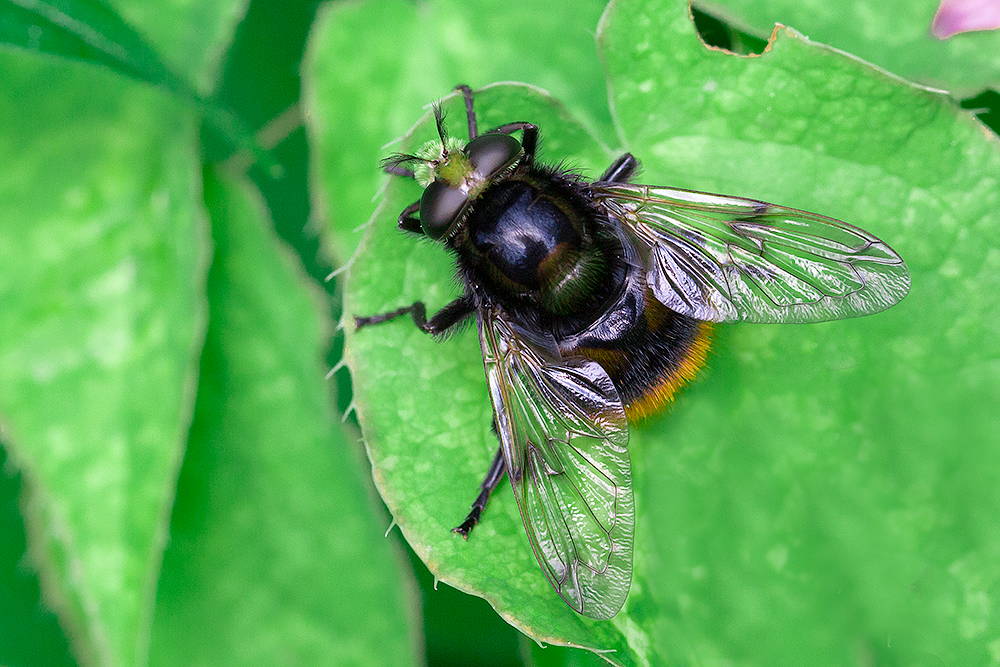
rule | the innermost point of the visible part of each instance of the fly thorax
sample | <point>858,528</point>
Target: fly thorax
<point>532,245</point>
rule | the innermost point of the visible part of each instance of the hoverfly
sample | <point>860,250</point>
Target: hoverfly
<point>594,303</point>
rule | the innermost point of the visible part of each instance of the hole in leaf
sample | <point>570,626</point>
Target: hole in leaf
<point>716,32</point>
<point>986,106</point>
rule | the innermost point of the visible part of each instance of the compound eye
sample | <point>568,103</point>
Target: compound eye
<point>491,153</point>
<point>440,208</point>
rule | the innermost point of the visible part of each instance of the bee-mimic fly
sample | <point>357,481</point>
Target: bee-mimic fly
<point>595,302</point>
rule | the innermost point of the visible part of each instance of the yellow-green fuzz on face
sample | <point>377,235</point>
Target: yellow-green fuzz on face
<point>444,161</point>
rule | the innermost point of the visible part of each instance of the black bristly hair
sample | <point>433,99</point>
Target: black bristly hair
<point>439,120</point>
<point>394,164</point>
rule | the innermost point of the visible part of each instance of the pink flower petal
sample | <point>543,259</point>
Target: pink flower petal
<point>955,16</point>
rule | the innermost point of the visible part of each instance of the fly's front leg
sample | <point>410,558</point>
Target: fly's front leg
<point>470,112</point>
<point>409,222</point>
<point>529,140</point>
<point>529,137</point>
<point>440,323</point>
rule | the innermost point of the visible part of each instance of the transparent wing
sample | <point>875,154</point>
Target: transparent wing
<point>564,437</point>
<point>724,259</point>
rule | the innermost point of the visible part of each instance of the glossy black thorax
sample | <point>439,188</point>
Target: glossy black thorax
<point>534,244</point>
<point>524,237</point>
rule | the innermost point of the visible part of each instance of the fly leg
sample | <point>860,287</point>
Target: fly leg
<point>409,222</point>
<point>529,138</point>
<point>446,318</point>
<point>493,476</point>
<point>440,323</point>
<point>470,112</point>
<point>620,170</point>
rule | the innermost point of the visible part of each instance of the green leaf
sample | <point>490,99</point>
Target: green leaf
<point>86,31</point>
<point>103,248</point>
<point>542,655</point>
<point>104,253</point>
<point>29,634</point>
<point>191,37</point>
<point>826,486</point>
<point>92,31</point>
<point>275,553</point>
<point>823,490</point>
<point>357,99</point>
<point>894,35</point>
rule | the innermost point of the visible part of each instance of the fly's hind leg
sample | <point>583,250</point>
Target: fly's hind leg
<point>443,321</point>
<point>493,476</point>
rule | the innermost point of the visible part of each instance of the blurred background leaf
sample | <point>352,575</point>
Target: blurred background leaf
<point>104,253</point>
<point>167,44</point>
<point>273,554</point>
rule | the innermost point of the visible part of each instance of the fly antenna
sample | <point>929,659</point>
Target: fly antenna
<point>442,132</point>
<point>394,164</point>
